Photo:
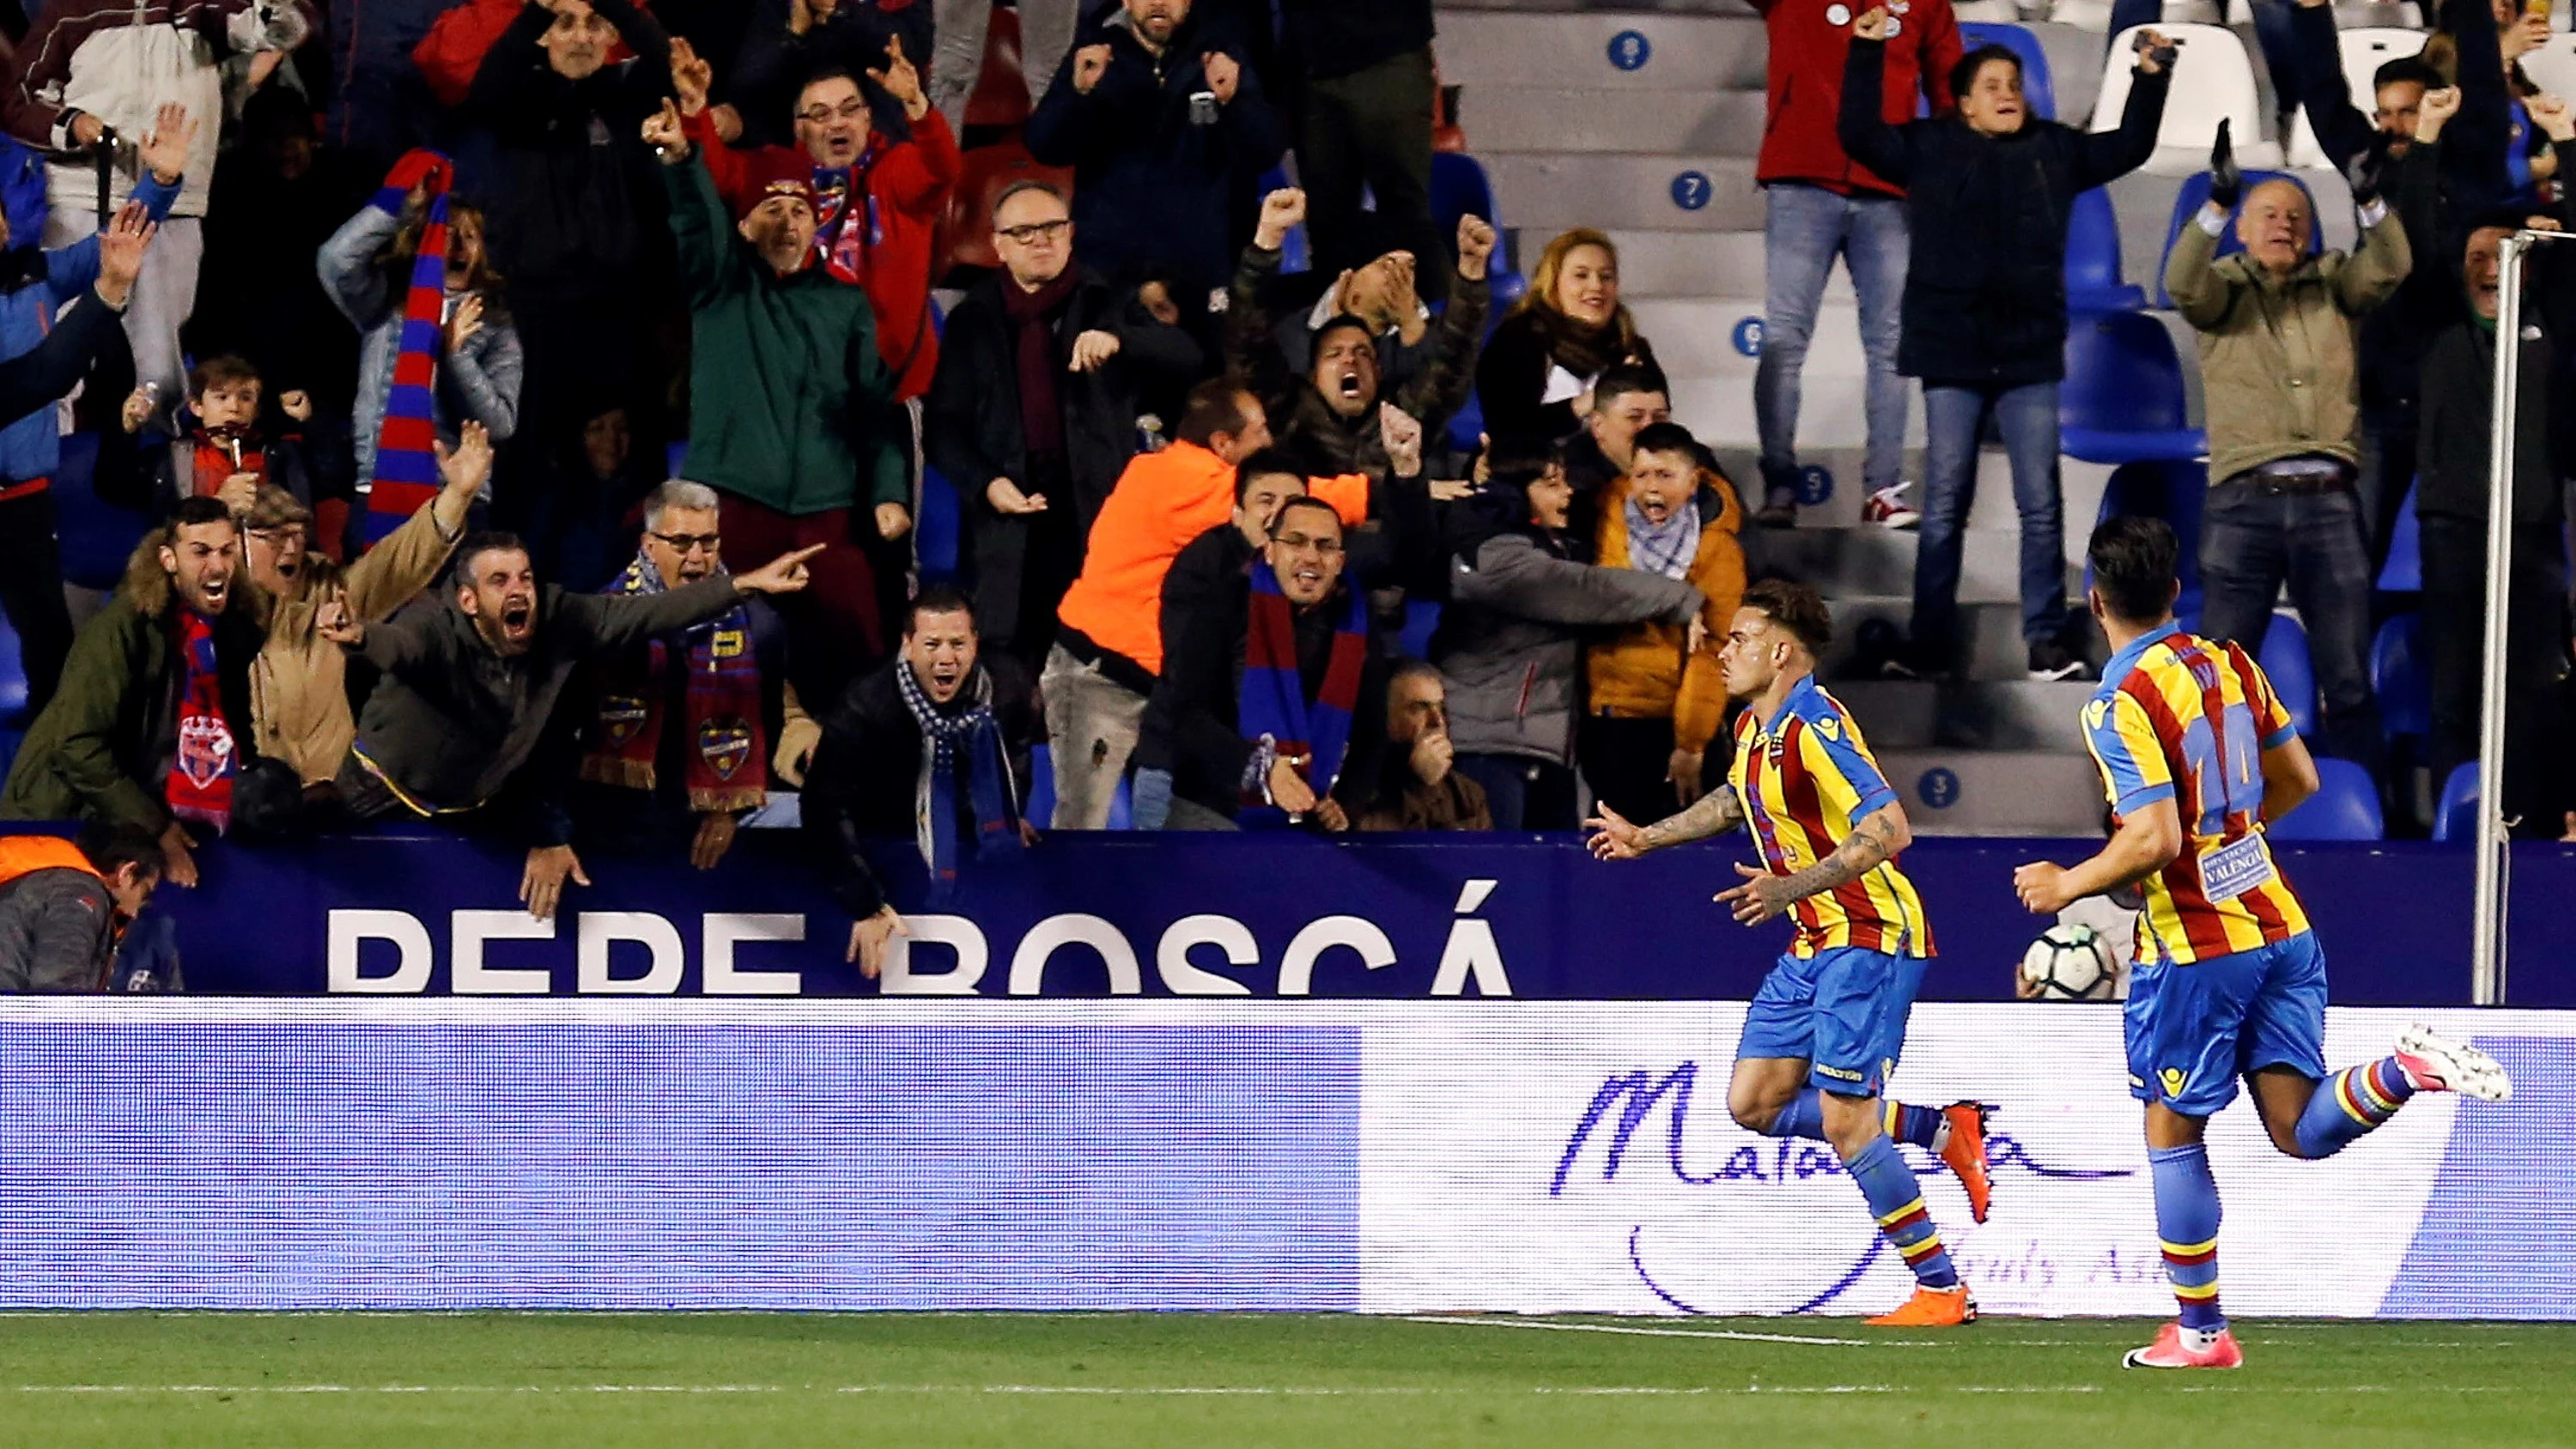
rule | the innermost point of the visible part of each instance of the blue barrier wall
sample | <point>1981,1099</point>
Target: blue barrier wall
<point>1261,915</point>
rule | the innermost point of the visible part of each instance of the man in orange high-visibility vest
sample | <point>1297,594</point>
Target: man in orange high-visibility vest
<point>65,905</point>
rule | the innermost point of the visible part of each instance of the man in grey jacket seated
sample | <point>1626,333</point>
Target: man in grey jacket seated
<point>462,728</point>
<point>1510,641</point>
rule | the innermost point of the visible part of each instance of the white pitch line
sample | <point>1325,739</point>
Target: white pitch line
<point>1727,1333</point>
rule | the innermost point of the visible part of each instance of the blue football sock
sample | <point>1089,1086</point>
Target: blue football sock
<point>2351,1103</point>
<point>1803,1117</point>
<point>1896,1200</point>
<point>2187,1221</point>
<point>1920,1126</point>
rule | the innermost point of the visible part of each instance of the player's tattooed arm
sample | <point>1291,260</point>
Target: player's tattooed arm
<point>1715,813</point>
<point>1873,842</point>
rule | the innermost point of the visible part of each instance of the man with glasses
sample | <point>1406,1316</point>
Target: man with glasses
<point>1272,711</point>
<point>1035,413</point>
<point>1165,127</point>
<point>683,724</point>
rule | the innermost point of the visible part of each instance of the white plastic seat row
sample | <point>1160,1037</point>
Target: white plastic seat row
<point>2213,81</point>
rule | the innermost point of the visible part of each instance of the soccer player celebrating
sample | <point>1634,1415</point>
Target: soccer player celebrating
<point>2197,756</point>
<point>1826,1028</point>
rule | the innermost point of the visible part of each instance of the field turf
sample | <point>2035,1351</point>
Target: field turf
<point>641,1381</point>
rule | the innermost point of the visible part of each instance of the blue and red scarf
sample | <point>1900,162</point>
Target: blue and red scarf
<point>406,475</point>
<point>1274,707</point>
<point>203,766</point>
<point>847,229</point>
<point>727,749</point>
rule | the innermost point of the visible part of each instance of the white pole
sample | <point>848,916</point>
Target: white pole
<point>2487,960</point>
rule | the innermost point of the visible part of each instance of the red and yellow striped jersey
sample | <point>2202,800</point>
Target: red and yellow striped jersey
<point>1805,781</point>
<point>2180,718</point>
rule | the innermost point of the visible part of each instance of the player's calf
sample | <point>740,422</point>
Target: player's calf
<point>2357,1100</point>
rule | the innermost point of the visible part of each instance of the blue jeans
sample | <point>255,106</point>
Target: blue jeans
<point>1954,418</point>
<point>2251,543</point>
<point>1803,230</point>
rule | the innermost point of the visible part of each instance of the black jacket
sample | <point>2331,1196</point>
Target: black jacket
<point>971,421</point>
<point>455,726</point>
<point>1148,184</point>
<point>1191,725</point>
<point>2454,440</point>
<point>152,477</point>
<point>1512,375</point>
<point>867,771</point>
<point>1986,304</point>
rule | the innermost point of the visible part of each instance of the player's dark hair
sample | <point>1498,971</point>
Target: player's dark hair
<point>1797,608</point>
<point>937,599</point>
<point>2133,560</point>
<point>111,846</point>
<point>1268,463</point>
<point>1963,75</point>
<point>2401,70</point>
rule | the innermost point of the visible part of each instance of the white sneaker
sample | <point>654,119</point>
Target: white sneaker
<point>2439,1064</point>
<point>1888,509</point>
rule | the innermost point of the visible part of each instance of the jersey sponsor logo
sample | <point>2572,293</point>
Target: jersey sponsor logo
<point>2233,869</point>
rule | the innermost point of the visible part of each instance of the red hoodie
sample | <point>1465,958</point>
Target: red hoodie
<point>1809,39</point>
<point>453,50</point>
<point>907,193</point>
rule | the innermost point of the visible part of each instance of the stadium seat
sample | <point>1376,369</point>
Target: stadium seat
<point>966,233</point>
<point>1467,425</point>
<point>2122,400</point>
<point>1459,187</point>
<point>1294,254</point>
<point>2284,657</point>
<point>1421,616</point>
<point>2398,677</point>
<point>2345,807</point>
<point>2456,817</point>
<point>1001,97</point>
<point>2213,81</point>
<point>675,458</point>
<point>13,674</point>
<point>1039,807</point>
<point>2195,194</point>
<point>2093,282</point>
<point>2036,89</point>
<point>2364,50</point>
<point>940,538</point>
<point>2404,571</point>
<point>97,536</point>
<point>2553,66</point>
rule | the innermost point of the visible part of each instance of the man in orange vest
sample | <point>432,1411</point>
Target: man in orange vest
<point>64,906</point>
<point>1109,641</point>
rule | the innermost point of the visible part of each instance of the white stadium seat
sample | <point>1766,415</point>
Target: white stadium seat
<point>2553,66</point>
<point>2213,81</point>
<point>2364,52</point>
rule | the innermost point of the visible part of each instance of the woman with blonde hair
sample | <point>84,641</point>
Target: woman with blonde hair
<point>1559,339</point>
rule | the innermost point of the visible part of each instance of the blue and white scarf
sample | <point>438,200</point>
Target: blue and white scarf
<point>1666,548</point>
<point>975,735</point>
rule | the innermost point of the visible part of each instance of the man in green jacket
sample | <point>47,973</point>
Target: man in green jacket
<point>793,418</point>
<point>151,726</point>
<point>2279,365</point>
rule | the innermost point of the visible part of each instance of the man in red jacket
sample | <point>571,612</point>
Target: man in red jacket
<point>1821,203</point>
<point>880,196</point>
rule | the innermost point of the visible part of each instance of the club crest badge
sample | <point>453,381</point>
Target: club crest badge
<point>725,743</point>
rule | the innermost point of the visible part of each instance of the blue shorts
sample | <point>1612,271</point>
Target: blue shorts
<point>1842,1011</point>
<point>2194,1030</point>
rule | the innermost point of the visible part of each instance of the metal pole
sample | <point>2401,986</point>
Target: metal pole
<point>2487,960</point>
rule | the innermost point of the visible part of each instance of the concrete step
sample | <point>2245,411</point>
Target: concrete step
<point>1619,50</point>
<point>1995,792</point>
<point>1691,264</point>
<point>2015,714</point>
<point>1699,122</point>
<point>1876,563</point>
<point>1543,193</point>
<point>1996,652</point>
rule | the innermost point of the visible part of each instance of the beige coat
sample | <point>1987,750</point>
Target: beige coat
<point>299,687</point>
<point>2278,364</point>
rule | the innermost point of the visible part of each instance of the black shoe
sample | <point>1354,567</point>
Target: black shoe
<point>1779,509</point>
<point>2050,662</point>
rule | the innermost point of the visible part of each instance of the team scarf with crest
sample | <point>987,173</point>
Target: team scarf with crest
<point>847,228</point>
<point>1274,705</point>
<point>200,786</point>
<point>971,738</point>
<point>727,751</point>
<point>406,473</point>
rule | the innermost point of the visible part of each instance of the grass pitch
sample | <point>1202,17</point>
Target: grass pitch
<point>638,1381</point>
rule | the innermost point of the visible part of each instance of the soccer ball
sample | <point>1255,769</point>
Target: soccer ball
<point>2069,963</point>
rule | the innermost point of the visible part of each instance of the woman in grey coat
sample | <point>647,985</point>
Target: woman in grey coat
<point>366,267</point>
<point>1510,641</point>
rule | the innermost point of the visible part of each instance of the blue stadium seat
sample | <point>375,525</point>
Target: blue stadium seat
<point>2195,194</point>
<point>1122,806</point>
<point>675,458</point>
<point>1466,425</point>
<point>1421,616</point>
<point>942,528</point>
<point>96,536</point>
<point>2404,571</point>
<point>2123,401</point>
<point>2399,678</point>
<point>1039,806</point>
<point>2345,807</point>
<point>2284,657</point>
<point>2093,255</point>
<point>2036,88</point>
<point>1293,253</point>
<point>2456,818</point>
<point>1459,188</point>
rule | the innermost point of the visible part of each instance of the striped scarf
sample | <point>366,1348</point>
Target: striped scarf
<point>406,475</point>
<point>727,749</point>
<point>1667,548</point>
<point>972,737</point>
<point>206,760</point>
<point>1274,707</point>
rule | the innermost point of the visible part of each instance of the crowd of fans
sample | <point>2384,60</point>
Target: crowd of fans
<point>387,333</point>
